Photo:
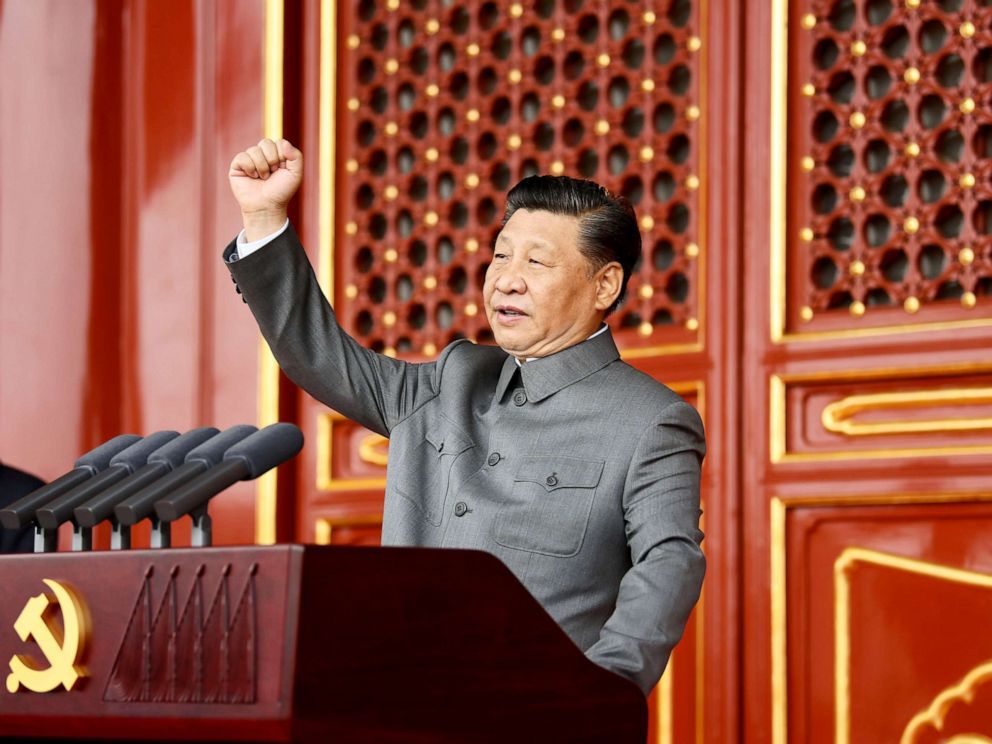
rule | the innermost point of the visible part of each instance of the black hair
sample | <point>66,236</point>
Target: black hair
<point>607,225</point>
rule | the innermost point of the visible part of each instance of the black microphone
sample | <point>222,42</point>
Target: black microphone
<point>22,512</point>
<point>161,462</point>
<point>246,460</point>
<point>125,462</point>
<point>199,460</point>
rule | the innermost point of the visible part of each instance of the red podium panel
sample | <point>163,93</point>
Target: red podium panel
<point>294,644</point>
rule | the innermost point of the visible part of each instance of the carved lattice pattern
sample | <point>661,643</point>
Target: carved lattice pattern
<point>443,107</point>
<point>891,131</point>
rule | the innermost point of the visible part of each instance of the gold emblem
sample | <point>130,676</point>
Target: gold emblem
<point>62,648</point>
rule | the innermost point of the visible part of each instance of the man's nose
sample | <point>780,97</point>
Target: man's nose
<point>510,280</point>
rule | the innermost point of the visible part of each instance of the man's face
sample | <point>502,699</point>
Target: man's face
<point>540,295</point>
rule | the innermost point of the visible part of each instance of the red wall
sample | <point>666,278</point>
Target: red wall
<point>117,121</point>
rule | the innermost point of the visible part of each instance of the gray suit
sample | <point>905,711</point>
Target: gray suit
<point>579,472</point>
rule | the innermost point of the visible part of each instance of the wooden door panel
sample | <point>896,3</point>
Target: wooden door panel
<point>884,603</point>
<point>904,653</point>
<point>877,414</point>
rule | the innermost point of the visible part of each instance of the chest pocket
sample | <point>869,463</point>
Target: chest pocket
<point>548,510</point>
<point>422,472</point>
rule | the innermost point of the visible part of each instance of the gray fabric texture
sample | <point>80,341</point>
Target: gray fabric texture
<point>577,471</point>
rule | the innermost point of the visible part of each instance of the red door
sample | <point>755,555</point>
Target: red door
<point>812,180</point>
<point>418,117</point>
<point>867,372</point>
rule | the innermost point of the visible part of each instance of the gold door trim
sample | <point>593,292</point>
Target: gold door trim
<point>666,350</point>
<point>838,416</point>
<point>664,709</point>
<point>327,147</point>
<point>323,528</point>
<point>268,368</point>
<point>777,170</point>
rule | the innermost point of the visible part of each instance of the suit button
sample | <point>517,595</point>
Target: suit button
<point>519,398</point>
<point>551,481</point>
<point>461,509</point>
<point>494,458</point>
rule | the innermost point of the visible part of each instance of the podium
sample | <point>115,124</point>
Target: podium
<point>294,644</point>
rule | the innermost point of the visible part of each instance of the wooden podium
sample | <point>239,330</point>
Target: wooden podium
<point>294,644</point>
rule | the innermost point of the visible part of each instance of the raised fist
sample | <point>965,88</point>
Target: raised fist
<point>263,179</point>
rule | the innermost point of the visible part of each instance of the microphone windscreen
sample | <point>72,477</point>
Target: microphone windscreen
<point>174,453</point>
<point>136,456</point>
<point>212,451</point>
<point>267,448</point>
<point>99,459</point>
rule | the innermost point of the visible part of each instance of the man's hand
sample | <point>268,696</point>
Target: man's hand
<point>263,180</point>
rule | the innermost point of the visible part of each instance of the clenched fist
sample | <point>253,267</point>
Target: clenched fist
<point>263,179</point>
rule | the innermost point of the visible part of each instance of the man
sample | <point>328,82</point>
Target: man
<point>580,473</point>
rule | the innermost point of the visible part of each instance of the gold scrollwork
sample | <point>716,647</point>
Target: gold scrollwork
<point>935,714</point>
<point>839,416</point>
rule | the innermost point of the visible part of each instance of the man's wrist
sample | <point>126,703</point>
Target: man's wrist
<point>261,224</point>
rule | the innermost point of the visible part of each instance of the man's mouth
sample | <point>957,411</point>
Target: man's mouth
<point>509,311</point>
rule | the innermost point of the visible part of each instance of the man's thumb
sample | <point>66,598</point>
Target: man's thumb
<point>292,156</point>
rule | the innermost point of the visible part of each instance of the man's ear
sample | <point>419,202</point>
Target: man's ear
<point>609,280</point>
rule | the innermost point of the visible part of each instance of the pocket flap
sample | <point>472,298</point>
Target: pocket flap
<point>448,440</point>
<point>553,473</point>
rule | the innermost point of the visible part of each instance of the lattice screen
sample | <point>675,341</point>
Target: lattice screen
<point>444,107</point>
<point>892,134</point>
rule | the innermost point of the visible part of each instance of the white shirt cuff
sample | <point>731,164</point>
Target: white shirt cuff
<point>245,248</point>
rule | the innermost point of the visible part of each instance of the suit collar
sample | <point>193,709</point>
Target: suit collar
<point>546,376</point>
<point>506,376</point>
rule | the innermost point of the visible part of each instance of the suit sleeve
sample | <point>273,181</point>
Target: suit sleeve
<point>661,511</point>
<point>302,331</point>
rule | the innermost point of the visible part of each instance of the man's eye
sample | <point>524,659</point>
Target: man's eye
<point>536,262</point>
<point>499,256</point>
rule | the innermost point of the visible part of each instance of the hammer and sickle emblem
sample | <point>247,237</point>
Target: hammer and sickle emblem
<point>62,648</point>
